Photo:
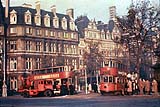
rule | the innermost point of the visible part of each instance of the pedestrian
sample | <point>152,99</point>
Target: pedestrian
<point>154,87</point>
<point>129,90</point>
<point>89,88</point>
<point>147,87</point>
<point>140,85</point>
<point>95,88</point>
<point>125,87</point>
<point>71,89</point>
<point>144,86</point>
<point>135,87</point>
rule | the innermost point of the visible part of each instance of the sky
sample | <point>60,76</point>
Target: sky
<point>94,9</point>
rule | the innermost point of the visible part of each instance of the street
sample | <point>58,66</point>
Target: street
<point>82,100</point>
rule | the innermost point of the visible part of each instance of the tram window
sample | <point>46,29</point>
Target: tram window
<point>105,79</point>
<point>118,81</point>
<point>114,79</point>
<point>41,82</point>
<point>110,79</point>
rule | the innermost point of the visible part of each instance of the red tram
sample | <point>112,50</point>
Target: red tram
<point>112,80</point>
<point>46,81</point>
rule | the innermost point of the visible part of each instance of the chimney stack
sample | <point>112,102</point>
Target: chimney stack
<point>53,9</point>
<point>38,7</point>
<point>112,12</point>
<point>70,13</point>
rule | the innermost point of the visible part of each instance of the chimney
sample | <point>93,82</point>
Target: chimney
<point>53,9</point>
<point>38,7</point>
<point>70,13</point>
<point>112,12</point>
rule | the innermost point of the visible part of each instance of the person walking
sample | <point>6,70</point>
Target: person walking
<point>140,85</point>
<point>129,90</point>
<point>154,87</point>
<point>147,87</point>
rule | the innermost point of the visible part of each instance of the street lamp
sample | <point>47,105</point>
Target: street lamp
<point>4,87</point>
<point>86,85</point>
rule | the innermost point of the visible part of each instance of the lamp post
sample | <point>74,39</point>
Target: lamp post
<point>4,87</point>
<point>86,85</point>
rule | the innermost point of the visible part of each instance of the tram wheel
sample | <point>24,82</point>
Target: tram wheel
<point>26,95</point>
<point>48,93</point>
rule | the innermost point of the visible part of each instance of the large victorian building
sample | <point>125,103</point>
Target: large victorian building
<point>38,39</point>
<point>92,31</point>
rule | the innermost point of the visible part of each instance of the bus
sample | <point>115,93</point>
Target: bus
<point>46,82</point>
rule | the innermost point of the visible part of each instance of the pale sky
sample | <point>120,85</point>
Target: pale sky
<point>98,9</point>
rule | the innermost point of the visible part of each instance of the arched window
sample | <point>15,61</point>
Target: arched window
<point>56,22</point>
<point>47,20</point>
<point>64,23</point>
<point>13,17</point>
<point>37,19</point>
<point>28,17</point>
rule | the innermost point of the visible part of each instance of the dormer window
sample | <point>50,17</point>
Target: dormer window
<point>56,22</point>
<point>37,19</point>
<point>90,25</point>
<point>13,17</point>
<point>47,20</point>
<point>72,25</point>
<point>28,17</point>
<point>64,23</point>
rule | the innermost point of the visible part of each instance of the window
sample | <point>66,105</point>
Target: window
<point>72,26</point>
<point>46,32</point>
<point>106,79</point>
<point>64,23</point>
<point>13,17</point>
<point>65,48</point>
<point>81,62</point>
<point>38,63</point>
<point>47,20</point>
<point>52,33</point>
<point>28,63</point>
<point>28,45</point>
<point>56,22</point>
<point>38,20</point>
<point>59,47</point>
<point>59,34</point>
<point>53,47</point>
<point>110,79</point>
<point>46,47</point>
<point>28,17</point>
<point>28,30</point>
<point>39,32</point>
<point>13,64</point>
<point>13,45</point>
<point>13,30</point>
<point>38,46</point>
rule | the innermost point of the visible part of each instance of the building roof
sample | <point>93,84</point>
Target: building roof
<point>82,22</point>
<point>21,11</point>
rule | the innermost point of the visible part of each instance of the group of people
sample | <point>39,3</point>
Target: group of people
<point>93,87</point>
<point>140,87</point>
<point>67,89</point>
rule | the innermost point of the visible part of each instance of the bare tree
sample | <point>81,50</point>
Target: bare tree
<point>138,28</point>
<point>93,57</point>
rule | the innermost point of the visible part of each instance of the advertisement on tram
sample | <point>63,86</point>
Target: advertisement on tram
<point>47,82</point>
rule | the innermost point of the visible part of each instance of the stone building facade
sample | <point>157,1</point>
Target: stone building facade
<point>37,39</point>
